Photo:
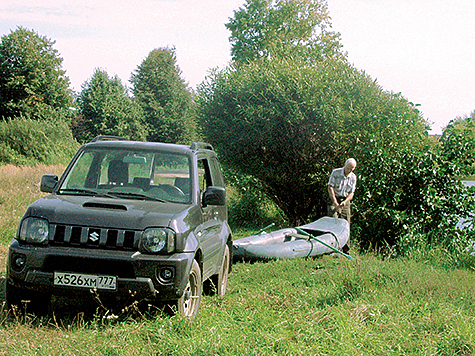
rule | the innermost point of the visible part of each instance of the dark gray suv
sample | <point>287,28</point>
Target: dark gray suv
<point>140,219</point>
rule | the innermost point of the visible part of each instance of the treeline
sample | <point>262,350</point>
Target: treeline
<point>35,100</point>
<point>287,110</point>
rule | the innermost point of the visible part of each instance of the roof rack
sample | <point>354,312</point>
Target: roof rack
<point>108,138</point>
<point>197,145</point>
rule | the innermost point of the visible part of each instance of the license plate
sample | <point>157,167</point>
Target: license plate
<point>85,280</point>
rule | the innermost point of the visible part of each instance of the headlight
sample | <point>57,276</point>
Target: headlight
<point>156,240</point>
<point>34,230</point>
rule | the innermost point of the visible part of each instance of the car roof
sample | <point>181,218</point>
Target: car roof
<point>115,142</point>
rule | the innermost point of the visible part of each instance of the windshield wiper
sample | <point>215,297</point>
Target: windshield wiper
<point>85,191</point>
<point>136,195</point>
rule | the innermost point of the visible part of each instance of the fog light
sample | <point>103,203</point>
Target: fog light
<point>166,274</point>
<point>18,262</point>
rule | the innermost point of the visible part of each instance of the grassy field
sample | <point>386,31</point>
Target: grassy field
<point>323,306</point>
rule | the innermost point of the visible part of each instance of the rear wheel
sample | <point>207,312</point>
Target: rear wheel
<point>189,302</point>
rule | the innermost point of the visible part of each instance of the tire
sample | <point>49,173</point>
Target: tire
<point>189,304</point>
<point>223,274</point>
<point>26,301</point>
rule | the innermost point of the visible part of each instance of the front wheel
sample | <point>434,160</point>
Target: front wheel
<point>189,302</point>
<point>223,274</point>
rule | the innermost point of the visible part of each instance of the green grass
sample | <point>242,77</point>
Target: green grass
<point>323,306</point>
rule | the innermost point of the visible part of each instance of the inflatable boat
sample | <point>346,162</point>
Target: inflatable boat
<point>326,235</point>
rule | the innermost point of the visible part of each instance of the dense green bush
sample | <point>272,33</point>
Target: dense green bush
<point>26,142</point>
<point>458,143</point>
<point>409,197</point>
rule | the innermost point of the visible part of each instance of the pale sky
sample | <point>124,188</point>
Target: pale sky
<point>424,49</point>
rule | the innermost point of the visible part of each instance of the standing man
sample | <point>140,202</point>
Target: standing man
<point>341,189</point>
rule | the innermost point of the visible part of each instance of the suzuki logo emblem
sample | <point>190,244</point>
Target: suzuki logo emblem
<point>94,237</point>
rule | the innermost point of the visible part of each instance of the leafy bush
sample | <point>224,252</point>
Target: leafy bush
<point>248,206</point>
<point>458,143</point>
<point>287,125</point>
<point>26,142</point>
<point>406,193</point>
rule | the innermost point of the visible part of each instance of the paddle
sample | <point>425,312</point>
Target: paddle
<point>323,243</point>
<point>267,227</point>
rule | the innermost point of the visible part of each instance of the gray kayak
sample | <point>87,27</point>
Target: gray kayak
<point>290,243</point>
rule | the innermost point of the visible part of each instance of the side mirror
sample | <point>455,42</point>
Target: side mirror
<point>48,182</point>
<point>214,196</point>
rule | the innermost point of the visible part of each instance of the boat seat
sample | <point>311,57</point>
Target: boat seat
<point>296,236</point>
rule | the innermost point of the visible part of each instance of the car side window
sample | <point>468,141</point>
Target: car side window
<point>204,177</point>
<point>216,174</point>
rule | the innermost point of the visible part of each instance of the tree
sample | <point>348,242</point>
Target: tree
<point>164,98</point>
<point>32,81</point>
<point>105,108</point>
<point>458,143</point>
<point>283,28</point>
<point>289,125</point>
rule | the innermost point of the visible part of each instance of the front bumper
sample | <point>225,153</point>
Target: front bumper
<point>137,274</point>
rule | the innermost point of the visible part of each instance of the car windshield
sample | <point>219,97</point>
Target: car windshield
<point>130,174</point>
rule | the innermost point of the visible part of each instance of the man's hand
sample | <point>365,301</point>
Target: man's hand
<point>340,207</point>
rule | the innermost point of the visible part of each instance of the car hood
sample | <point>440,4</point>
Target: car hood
<point>107,213</point>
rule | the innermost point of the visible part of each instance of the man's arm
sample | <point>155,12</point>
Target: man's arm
<point>348,199</point>
<point>331,193</point>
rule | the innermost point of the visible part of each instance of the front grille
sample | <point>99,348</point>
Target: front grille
<point>67,235</point>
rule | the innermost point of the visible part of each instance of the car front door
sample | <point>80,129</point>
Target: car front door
<point>209,232</point>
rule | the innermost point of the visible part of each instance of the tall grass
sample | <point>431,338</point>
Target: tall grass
<point>323,306</point>
<point>19,187</point>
